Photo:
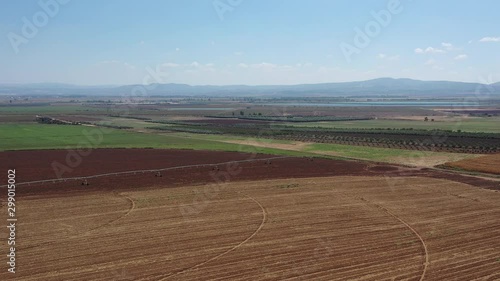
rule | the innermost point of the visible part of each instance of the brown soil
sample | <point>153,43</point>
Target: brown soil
<point>38,165</point>
<point>17,118</point>
<point>292,145</point>
<point>332,228</point>
<point>76,118</point>
<point>197,169</point>
<point>485,164</point>
<point>224,121</point>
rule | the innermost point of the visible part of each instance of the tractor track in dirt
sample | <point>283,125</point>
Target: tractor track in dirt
<point>424,245</point>
<point>264,219</point>
<point>90,231</point>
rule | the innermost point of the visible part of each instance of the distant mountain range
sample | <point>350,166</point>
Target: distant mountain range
<point>375,87</point>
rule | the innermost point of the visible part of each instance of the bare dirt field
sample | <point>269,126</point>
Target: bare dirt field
<point>484,164</point>
<point>129,169</point>
<point>224,121</point>
<point>39,165</point>
<point>347,111</point>
<point>425,159</point>
<point>292,145</point>
<point>336,228</point>
<point>280,219</point>
<point>77,118</point>
<point>16,118</point>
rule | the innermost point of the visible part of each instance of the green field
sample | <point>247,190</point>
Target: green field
<point>38,136</point>
<point>472,124</point>
<point>390,155</point>
<point>233,138</point>
<point>48,109</point>
<point>127,122</point>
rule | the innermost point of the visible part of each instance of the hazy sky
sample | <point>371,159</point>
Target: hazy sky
<point>248,41</point>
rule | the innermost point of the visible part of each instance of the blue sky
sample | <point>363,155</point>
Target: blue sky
<point>217,42</point>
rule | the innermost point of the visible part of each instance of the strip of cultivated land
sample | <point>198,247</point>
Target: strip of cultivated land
<point>333,228</point>
<point>484,164</point>
<point>125,169</point>
<point>404,138</point>
<point>31,136</point>
<point>40,136</point>
<point>466,124</point>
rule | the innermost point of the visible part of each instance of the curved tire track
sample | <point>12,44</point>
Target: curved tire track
<point>264,219</point>
<point>131,208</point>
<point>424,246</point>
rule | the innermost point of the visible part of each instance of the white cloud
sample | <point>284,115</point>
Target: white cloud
<point>128,65</point>
<point>141,43</point>
<point>430,62</point>
<point>448,46</point>
<point>434,50</point>
<point>269,66</point>
<point>196,67</point>
<point>208,67</point>
<point>109,61</point>
<point>461,57</point>
<point>387,57</point>
<point>429,50</point>
<point>117,63</point>
<point>490,39</point>
<point>264,65</point>
<point>177,49</point>
<point>170,64</point>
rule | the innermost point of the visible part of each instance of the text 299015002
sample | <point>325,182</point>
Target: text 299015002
<point>11,219</point>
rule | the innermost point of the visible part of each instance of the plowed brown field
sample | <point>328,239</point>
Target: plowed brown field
<point>485,164</point>
<point>319,220</point>
<point>125,169</point>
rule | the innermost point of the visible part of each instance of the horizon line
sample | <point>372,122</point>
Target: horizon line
<point>241,85</point>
